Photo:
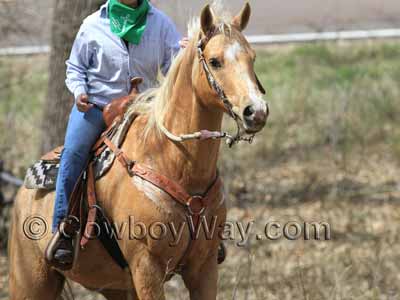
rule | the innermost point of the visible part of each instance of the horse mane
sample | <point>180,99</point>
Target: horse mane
<point>154,101</point>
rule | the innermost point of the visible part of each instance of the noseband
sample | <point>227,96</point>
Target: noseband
<point>205,134</point>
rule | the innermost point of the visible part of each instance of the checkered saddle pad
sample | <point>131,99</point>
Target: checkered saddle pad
<point>43,173</point>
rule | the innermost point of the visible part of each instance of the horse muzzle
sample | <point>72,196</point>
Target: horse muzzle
<point>255,117</point>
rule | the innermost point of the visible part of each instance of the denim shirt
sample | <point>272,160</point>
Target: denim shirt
<point>101,65</point>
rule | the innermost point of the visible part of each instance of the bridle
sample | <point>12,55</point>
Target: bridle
<point>240,135</point>
<point>231,140</point>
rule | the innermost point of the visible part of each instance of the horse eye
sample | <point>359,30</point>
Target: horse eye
<point>215,63</point>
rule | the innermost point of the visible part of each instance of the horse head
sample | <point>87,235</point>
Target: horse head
<point>227,80</point>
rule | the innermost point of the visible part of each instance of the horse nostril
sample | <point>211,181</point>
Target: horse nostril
<point>249,112</point>
<point>260,116</point>
<point>267,110</point>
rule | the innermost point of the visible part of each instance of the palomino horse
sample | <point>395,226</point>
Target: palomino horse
<point>205,81</point>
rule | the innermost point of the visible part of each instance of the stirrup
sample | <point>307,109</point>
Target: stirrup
<point>70,229</point>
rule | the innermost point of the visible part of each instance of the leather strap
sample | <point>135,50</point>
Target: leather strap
<point>122,158</point>
<point>195,204</point>
<point>76,196</point>
<point>100,145</point>
<point>110,242</point>
<point>95,213</point>
<point>92,203</point>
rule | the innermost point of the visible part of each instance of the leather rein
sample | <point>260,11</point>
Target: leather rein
<point>231,140</point>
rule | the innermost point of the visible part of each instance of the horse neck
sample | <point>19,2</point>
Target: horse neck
<point>193,164</point>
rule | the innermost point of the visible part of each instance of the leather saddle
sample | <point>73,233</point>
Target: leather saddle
<point>118,107</point>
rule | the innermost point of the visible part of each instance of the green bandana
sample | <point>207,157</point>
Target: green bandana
<point>126,22</point>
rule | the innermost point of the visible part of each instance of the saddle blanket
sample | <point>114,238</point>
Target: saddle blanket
<point>43,173</point>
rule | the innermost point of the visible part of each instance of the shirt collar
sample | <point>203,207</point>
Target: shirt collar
<point>104,10</point>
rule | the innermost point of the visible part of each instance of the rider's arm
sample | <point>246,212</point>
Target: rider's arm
<point>171,45</point>
<point>78,64</point>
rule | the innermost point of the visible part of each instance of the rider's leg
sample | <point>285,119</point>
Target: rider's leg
<point>82,132</point>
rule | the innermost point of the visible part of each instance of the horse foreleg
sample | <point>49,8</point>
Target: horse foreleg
<point>148,277</point>
<point>203,283</point>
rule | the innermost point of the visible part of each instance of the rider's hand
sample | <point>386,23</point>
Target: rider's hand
<point>83,103</point>
<point>183,43</point>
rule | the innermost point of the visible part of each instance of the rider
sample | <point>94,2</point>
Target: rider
<point>124,39</point>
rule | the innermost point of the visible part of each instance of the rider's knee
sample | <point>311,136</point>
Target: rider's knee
<point>76,152</point>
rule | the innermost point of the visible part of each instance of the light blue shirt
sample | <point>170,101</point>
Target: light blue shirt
<point>101,66</point>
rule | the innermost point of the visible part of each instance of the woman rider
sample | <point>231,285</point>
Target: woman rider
<point>122,40</point>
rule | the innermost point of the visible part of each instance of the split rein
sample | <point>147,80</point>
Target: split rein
<point>202,135</point>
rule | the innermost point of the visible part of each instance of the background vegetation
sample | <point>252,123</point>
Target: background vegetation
<point>330,152</point>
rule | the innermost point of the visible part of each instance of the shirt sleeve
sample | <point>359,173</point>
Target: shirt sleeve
<point>78,64</point>
<point>171,45</point>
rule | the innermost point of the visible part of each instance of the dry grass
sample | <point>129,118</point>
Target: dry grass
<point>23,85</point>
<point>330,153</point>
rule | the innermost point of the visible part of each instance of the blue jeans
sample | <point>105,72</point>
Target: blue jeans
<point>82,132</point>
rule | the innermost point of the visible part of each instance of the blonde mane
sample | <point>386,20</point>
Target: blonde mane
<point>154,102</point>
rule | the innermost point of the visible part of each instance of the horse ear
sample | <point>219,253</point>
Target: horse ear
<point>207,20</point>
<point>242,19</point>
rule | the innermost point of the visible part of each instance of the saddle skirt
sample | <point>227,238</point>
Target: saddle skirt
<point>43,174</point>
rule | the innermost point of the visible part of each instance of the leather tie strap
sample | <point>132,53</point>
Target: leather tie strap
<point>92,202</point>
<point>125,161</point>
